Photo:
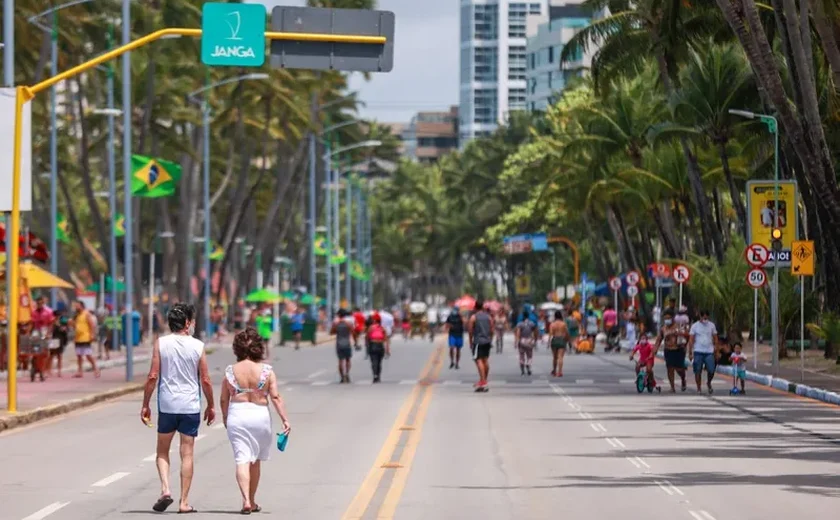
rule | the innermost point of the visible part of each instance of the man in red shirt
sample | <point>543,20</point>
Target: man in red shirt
<point>43,317</point>
<point>359,329</point>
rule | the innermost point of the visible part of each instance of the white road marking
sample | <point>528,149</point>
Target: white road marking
<point>633,462</point>
<point>696,515</point>
<point>642,462</point>
<point>288,389</point>
<point>585,381</point>
<point>618,441</point>
<point>500,382</point>
<point>575,406</point>
<point>452,382</point>
<point>281,383</point>
<point>321,383</point>
<point>600,427</point>
<point>706,515</point>
<point>110,479</point>
<point>47,511</point>
<point>151,458</point>
<point>313,375</point>
<point>611,442</point>
<point>408,382</point>
<point>626,381</point>
<point>664,488</point>
<point>219,426</point>
<point>594,427</point>
<point>583,415</point>
<point>674,488</point>
<point>201,436</point>
<point>366,382</point>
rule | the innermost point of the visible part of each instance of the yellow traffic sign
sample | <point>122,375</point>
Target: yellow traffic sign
<point>523,285</point>
<point>802,258</point>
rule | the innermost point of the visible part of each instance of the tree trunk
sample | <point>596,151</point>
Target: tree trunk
<point>830,48</point>
<point>734,193</point>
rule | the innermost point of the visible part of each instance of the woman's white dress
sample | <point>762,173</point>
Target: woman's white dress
<point>248,424</point>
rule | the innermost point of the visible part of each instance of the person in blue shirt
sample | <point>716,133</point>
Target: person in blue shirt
<point>298,319</point>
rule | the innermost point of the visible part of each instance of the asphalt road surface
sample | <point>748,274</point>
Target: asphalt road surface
<point>423,445</point>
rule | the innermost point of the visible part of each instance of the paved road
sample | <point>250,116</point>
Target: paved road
<point>422,445</point>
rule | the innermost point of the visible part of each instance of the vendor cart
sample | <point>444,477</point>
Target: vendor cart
<point>418,319</point>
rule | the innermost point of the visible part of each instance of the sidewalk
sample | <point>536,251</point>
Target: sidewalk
<point>819,372</point>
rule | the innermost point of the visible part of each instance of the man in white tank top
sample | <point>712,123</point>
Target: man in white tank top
<point>179,372</point>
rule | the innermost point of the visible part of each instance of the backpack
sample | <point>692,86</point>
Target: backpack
<point>377,334</point>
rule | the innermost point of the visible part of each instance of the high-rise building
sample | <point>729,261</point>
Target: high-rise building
<point>547,35</point>
<point>493,62</point>
<point>431,135</point>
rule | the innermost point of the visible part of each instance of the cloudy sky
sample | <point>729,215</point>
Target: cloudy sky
<point>425,75</point>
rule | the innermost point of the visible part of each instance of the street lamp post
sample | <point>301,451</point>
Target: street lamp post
<point>53,30</point>
<point>205,117</point>
<point>773,127</point>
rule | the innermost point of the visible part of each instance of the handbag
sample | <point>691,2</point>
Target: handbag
<point>282,440</point>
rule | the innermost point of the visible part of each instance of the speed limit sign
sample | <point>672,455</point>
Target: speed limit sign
<point>633,278</point>
<point>632,291</point>
<point>615,283</point>
<point>756,278</point>
<point>681,273</point>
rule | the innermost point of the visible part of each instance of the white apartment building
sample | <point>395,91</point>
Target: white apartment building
<point>493,62</point>
<point>547,34</point>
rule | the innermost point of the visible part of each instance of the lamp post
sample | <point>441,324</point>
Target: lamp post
<point>53,30</point>
<point>205,113</point>
<point>773,127</point>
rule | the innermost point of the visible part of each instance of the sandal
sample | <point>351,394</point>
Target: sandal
<point>245,511</point>
<point>256,509</point>
<point>188,511</point>
<point>162,503</point>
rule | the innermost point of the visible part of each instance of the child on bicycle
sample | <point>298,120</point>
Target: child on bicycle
<point>647,355</point>
<point>739,363</point>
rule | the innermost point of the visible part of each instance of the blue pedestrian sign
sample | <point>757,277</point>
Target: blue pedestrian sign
<point>233,35</point>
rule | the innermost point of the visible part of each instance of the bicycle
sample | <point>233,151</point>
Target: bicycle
<point>645,380</point>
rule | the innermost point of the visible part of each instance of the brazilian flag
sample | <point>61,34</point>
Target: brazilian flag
<point>153,178</point>
<point>338,256</point>
<point>357,271</point>
<point>62,229</point>
<point>119,225</point>
<point>217,253</point>
<point>321,247</point>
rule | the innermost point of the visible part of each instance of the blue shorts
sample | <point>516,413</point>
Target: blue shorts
<point>741,373</point>
<point>703,358</point>
<point>184,423</point>
<point>456,341</point>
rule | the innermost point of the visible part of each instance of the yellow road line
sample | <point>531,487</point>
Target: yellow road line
<point>392,498</point>
<point>360,502</point>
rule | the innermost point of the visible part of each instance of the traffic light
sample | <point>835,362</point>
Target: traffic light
<point>776,236</point>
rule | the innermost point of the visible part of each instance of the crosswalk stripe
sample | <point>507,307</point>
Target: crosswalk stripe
<point>408,382</point>
<point>320,383</point>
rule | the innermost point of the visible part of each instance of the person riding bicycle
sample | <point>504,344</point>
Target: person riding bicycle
<point>647,355</point>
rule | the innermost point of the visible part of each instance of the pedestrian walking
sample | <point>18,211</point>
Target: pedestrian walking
<point>481,338</point>
<point>674,353</point>
<point>379,346</point>
<point>455,329</point>
<point>84,326</point>
<point>248,387</point>
<point>344,336</point>
<point>739,363</point>
<point>179,372</point>
<point>703,349</point>
<point>559,339</point>
<point>526,335</point>
<point>298,319</point>
<point>501,327</point>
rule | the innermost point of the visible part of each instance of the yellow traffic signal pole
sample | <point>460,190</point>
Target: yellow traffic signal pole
<point>24,94</point>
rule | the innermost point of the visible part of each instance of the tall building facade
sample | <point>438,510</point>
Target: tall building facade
<point>493,62</point>
<point>547,35</point>
<point>431,135</point>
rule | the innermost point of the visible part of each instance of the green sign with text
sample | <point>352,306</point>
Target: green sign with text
<point>233,35</point>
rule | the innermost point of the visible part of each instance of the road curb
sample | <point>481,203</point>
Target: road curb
<point>45,412</point>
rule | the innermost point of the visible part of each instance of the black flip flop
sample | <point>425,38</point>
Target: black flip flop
<point>245,511</point>
<point>162,503</point>
<point>188,511</point>
<point>256,509</point>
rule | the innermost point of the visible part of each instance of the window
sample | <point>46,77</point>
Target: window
<point>486,22</point>
<point>535,9</point>
<point>532,60</point>
<point>466,65</point>
<point>516,99</point>
<point>516,63</point>
<point>516,20</point>
<point>486,101</point>
<point>437,142</point>
<point>486,64</point>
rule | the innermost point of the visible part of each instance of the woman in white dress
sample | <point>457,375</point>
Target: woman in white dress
<point>246,391</point>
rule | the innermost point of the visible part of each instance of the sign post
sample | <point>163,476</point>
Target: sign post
<point>632,292</point>
<point>615,285</point>
<point>633,278</point>
<point>802,265</point>
<point>681,275</point>
<point>233,35</point>
<point>756,278</point>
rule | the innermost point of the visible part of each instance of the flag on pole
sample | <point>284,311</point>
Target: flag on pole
<point>338,256</point>
<point>217,253</point>
<point>152,178</point>
<point>357,271</point>
<point>119,225</point>
<point>62,229</point>
<point>321,248</point>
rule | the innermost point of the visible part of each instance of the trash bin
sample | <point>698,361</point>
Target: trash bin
<point>308,334</point>
<point>135,329</point>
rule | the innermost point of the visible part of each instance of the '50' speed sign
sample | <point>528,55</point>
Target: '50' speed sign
<point>756,278</point>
